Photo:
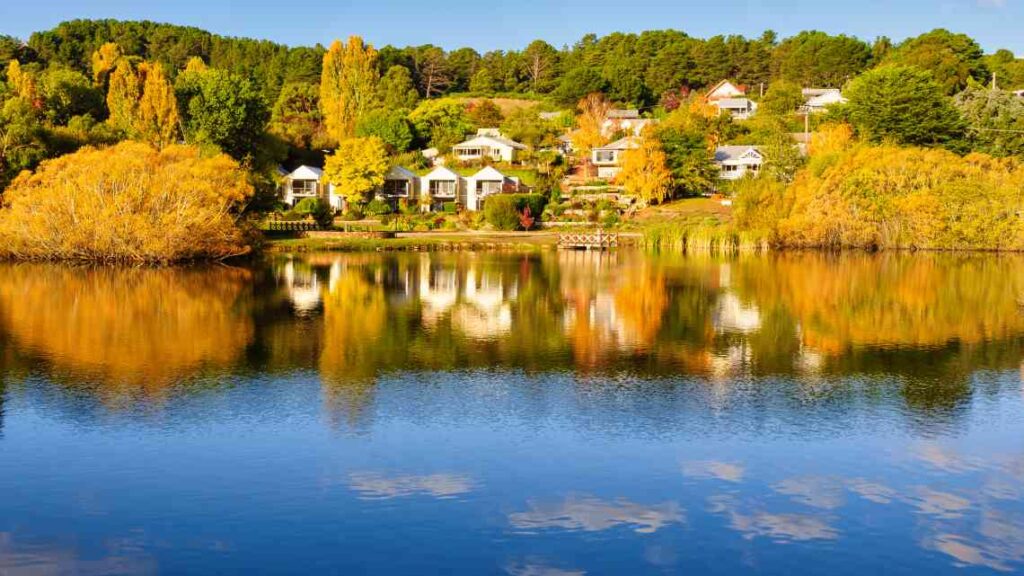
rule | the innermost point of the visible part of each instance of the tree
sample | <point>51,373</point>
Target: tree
<point>158,109</point>
<point>123,97</point>
<point>129,202</point>
<point>781,156</point>
<point>593,110</point>
<point>396,90</point>
<point>526,125</point>
<point>348,86</point>
<point>782,98</point>
<point>225,110</point>
<point>391,126</point>
<point>485,113</point>
<point>483,82</point>
<point>432,70</point>
<point>689,159</point>
<point>104,61</point>
<point>541,60</point>
<point>645,173</point>
<point>358,167</point>
<point>902,104</point>
<point>1007,69</point>
<point>577,83</point>
<point>995,120</point>
<point>817,59</point>
<point>195,65</point>
<point>21,139</point>
<point>66,93</point>
<point>440,123</point>
<point>952,59</point>
<point>23,83</point>
<point>671,69</point>
<point>462,64</point>
<point>296,116</point>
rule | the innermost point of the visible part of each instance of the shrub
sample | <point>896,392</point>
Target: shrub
<point>536,202</point>
<point>501,212</point>
<point>129,202</point>
<point>450,207</point>
<point>306,206</point>
<point>377,207</point>
<point>323,213</point>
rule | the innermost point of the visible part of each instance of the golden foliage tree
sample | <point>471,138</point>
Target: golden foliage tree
<point>195,65</point>
<point>123,97</point>
<point>157,120</point>
<point>23,83</point>
<point>348,86</point>
<point>130,202</point>
<point>358,167</point>
<point>593,111</point>
<point>104,61</point>
<point>645,172</point>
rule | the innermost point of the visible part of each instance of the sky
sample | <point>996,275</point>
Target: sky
<point>513,24</point>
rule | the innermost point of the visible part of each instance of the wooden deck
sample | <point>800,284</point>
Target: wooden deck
<point>599,240</point>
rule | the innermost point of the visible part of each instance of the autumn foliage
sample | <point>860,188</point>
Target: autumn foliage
<point>130,202</point>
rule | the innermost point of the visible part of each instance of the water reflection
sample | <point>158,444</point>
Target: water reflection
<point>590,514</point>
<point>376,486</point>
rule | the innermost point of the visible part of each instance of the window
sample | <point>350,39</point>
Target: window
<point>730,168</point>
<point>484,187</point>
<point>396,187</point>
<point>442,188</point>
<point>304,187</point>
<point>604,156</point>
<point>470,152</point>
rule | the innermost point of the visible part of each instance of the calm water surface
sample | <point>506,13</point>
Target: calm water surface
<point>508,414</point>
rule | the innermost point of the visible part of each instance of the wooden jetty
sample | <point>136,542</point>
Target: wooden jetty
<point>598,240</point>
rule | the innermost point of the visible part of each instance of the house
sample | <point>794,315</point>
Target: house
<point>399,184</point>
<point>735,162</point>
<point>442,185</point>
<point>1019,93</point>
<point>307,182</point>
<point>624,121</point>
<point>487,182</point>
<point>819,99</point>
<point>738,108</point>
<point>725,90</point>
<point>608,158</point>
<point>488,143</point>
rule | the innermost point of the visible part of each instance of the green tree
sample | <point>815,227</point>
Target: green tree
<point>225,110</point>
<point>396,90</point>
<point>391,126</point>
<point>358,167</point>
<point>995,120</point>
<point>440,123</point>
<point>67,93</point>
<point>953,59</point>
<point>689,160</point>
<point>782,98</point>
<point>21,138</point>
<point>904,105</point>
<point>541,65</point>
<point>485,113</point>
<point>577,83</point>
<point>815,58</point>
<point>296,116</point>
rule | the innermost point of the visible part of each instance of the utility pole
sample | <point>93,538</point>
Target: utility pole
<point>994,82</point>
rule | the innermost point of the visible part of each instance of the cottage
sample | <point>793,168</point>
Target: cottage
<point>738,108</point>
<point>488,143</point>
<point>442,185</point>
<point>725,90</point>
<point>307,182</point>
<point>399,184</point>
<point>735,162</point>
<point>819,99</point>
<point>487,182</point>
<point>608,158</point>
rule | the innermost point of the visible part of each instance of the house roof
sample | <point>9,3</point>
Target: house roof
<point>628,114</point>
<point>400,173</point>
<point>306,173</point>
<point>733,103</point>
<point>627,143</point>
<point>722,84</point>
<point>826,98</point>
<point>726,153</point>
<point>483,140</point>
<point>442,173</point>
<point>488,173</point>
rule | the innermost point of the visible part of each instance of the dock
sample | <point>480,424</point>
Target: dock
<point>598,240</point>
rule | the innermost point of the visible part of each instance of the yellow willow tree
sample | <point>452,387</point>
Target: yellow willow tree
<point>157,120</point>
<point>645,172</point>
<point>358,167</point>
<point>195,64</point>
<point>104,61</point>
<point>348,86</point>
<point>123,97</point>
<point>593,111</point>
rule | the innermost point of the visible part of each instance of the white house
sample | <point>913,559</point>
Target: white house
<point>735,162</point>
<point>738,108</point>
<point>488,143</point>
<point>487,182</point>
<point>724,90</point>
<point>307,182</point>
<point>819,99</point>
<point>442,185</point>
<point>399,184</point>
<point>608,158</point>
<point>628,121</point>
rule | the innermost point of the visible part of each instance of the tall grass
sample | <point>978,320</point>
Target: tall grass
<point>703,238</point>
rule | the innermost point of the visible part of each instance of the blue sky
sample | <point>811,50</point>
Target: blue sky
<point>512,24</point>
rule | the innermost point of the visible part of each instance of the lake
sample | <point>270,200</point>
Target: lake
<point>492,413</point>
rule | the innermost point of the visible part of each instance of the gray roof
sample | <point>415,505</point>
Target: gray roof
<point>733,103</point>
<point>723,153</point>
<point>627,143</point>
<point>623,114</point>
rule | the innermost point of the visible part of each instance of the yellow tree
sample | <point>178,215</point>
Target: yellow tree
<point>645,172</point>
<point>123,97</point>
<point>593,111</point>
<point>348,86</point>
<point>358,167</point>
<point>22,82</point>
<point>104,61</point>
<point>195,64</point>
<point>158,108</point>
